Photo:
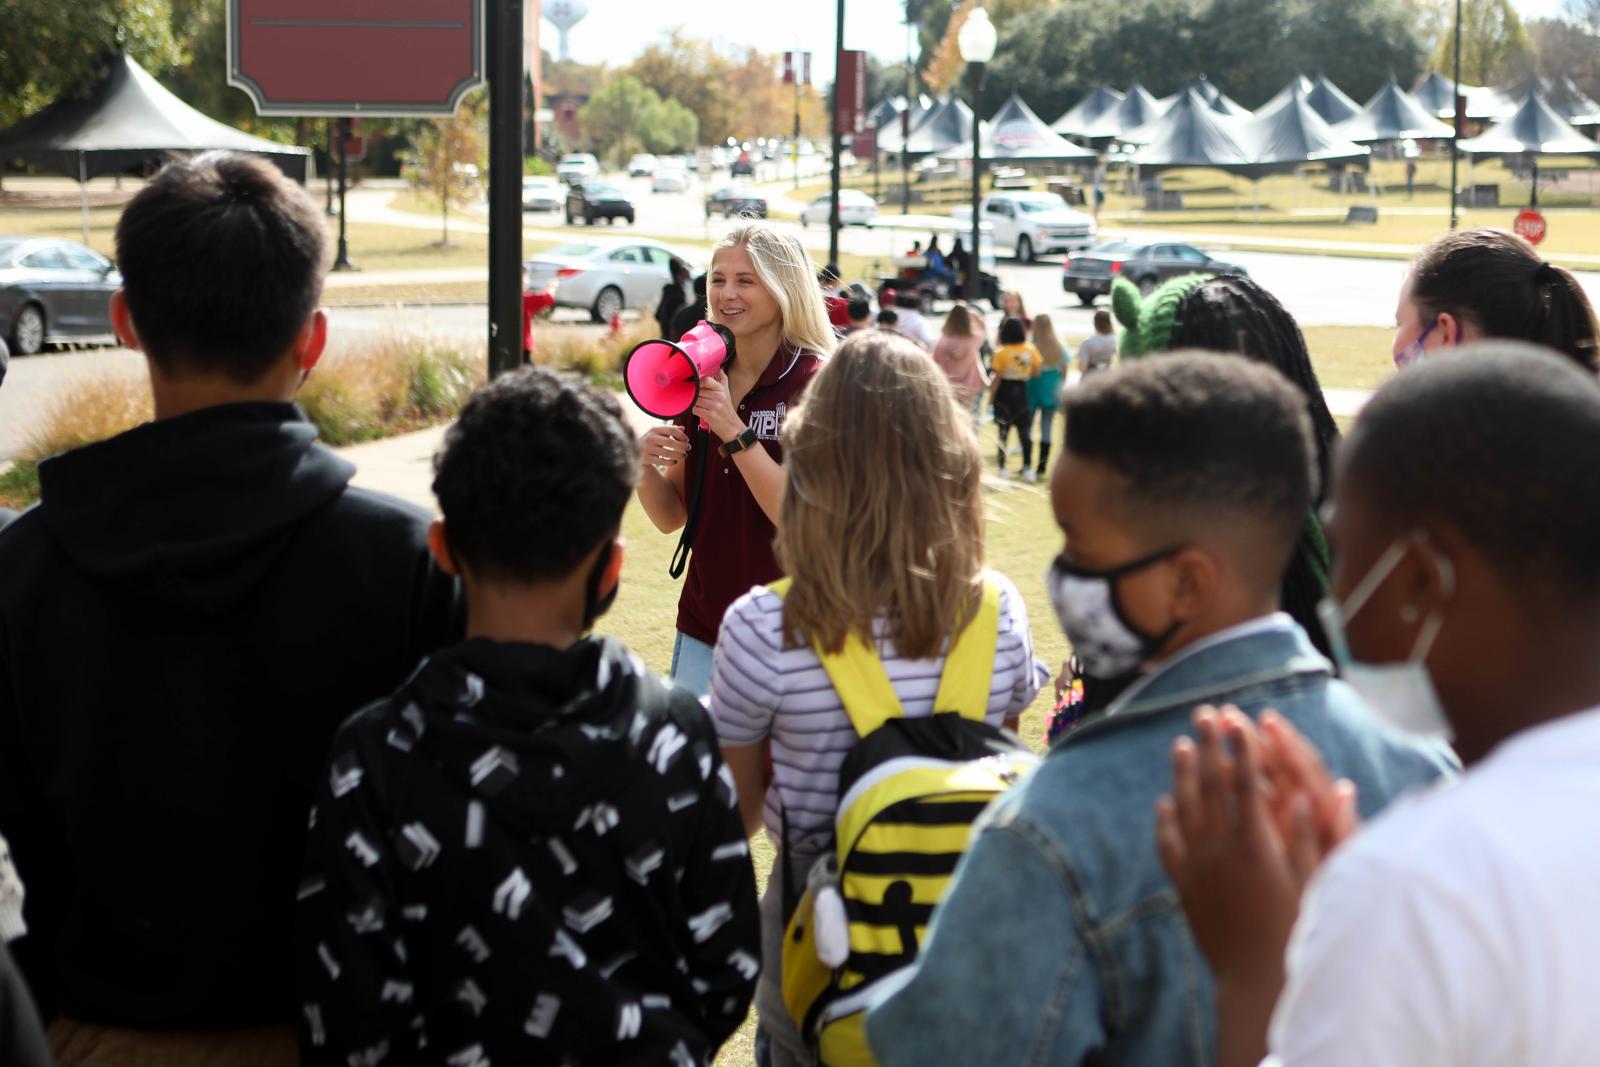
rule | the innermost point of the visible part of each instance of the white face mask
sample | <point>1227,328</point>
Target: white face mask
<point>1401,694</point>
<point>1106,643</point>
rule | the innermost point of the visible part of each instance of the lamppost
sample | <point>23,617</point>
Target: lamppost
<point>976,41</point>
<point>1455,134</point>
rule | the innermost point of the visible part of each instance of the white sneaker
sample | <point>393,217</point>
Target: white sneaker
<point>1002,474</point>
<point>1030,475</point>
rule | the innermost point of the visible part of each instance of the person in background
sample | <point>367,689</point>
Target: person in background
<point>1015,363</point>
<point>1180,491</point>
<point>22,1040</point>
<point>1044,388</point>
<point>1099,349</point>
<point>938,269</point>
<point>1473,285</point>
<point>724,482</point>
<point>1457,927</point>
<point>957,354</point>
<point>674,298</point>
<point>547,824</point>
<point>910,322</point>
<point>893,549</point>
<point>860,314</point>
<point>1012,307</point>
<point>959,262</point>
<point>692,313</point>
<point>236,597</point>
<point>888,319</point>
<point>835,298</point>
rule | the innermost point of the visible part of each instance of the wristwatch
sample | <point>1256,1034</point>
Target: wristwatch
<point>746,438</point>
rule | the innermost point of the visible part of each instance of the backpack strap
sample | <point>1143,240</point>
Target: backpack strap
<point>869,698</point>
<point>969,664</point>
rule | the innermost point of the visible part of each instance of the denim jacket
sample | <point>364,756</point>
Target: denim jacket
<point>1061,940</point>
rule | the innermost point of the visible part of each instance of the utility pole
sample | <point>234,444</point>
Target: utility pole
<point>342,260</point>
<point>835,139</point>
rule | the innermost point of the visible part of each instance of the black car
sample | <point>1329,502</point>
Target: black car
<point>1089,273</point>
<point>594,200</point>
<point>54,291</point>
<point>732,200</point>
<point>742,167</point>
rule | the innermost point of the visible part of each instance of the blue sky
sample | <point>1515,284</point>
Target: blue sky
<point>616,30</point>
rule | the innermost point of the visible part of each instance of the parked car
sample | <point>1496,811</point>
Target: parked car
<point>670,180</point>
<point>855,209</point>
<point>542,194</point>
<point>642,165</point>
<point>603,276</point>
<point>577,167</point>
<point>1089,274</point>
<point>731,200</point>
<point>1031,223</point>
<point>54,291</point>
<point>597,200</point>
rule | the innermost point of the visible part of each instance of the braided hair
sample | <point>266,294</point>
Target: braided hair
<point>1234,314</point>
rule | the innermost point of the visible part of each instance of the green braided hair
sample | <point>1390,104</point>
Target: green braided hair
<point>1147,321</point>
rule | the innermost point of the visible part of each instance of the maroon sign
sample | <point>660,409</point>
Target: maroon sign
<point>355,57</point>
<point>850,92</point>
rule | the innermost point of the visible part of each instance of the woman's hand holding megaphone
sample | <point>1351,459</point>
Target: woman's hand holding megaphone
<point>716,410</point>
<point>663,446</point>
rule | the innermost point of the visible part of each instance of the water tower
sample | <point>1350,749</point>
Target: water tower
<point>563,15</point>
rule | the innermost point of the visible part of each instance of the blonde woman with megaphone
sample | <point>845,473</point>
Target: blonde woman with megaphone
<point>716,473</point>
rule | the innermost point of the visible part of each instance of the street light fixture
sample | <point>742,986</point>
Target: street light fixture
<point>976,41</point>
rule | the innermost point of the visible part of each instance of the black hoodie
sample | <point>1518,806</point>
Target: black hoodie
<point>185,619</point>
<point>527,857</point>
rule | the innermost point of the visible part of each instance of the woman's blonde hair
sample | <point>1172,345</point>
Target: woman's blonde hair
<point>1046,341</point>
<point>1022,308</point>
<point>883,508</point>
<point>785,269</point>
<point>959,322</point>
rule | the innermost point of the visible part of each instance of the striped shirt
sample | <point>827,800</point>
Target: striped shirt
<point>762,688</point>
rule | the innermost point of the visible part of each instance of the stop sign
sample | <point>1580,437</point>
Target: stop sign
<point>1530,224</point>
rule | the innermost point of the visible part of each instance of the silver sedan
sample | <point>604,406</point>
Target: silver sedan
<point>603,276</point>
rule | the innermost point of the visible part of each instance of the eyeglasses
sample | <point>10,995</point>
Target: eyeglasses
<point>1412,352</point>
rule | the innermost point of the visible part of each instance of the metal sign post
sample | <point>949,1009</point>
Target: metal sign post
<point>505,186</point>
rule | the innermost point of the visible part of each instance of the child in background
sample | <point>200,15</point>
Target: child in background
<point>888,319</point>
<point>1015,362</point>
<point>1044,390</point>
<point>1098,350</point>
<point>1011,307</point>
<point>957,353</point>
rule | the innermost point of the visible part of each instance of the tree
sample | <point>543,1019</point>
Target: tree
<point>1568,49</point>
<point>672,128</point>
<point>617,113</point>
<point>445,159</point>
<point>1495,48</point>
<point>49,48</point>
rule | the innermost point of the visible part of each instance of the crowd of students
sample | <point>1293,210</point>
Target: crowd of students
<point>293,772</point>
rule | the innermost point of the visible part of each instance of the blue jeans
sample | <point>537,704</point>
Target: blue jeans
<point>691,664</point>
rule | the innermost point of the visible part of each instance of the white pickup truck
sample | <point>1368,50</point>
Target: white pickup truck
<point>1029,224</point>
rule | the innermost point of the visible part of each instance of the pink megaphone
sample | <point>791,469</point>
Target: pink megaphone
<point>663,378</point>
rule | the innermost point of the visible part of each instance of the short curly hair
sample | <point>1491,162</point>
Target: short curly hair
<point>534,475</point>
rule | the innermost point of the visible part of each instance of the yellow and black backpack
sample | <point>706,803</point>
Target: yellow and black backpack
<point>909,792</point>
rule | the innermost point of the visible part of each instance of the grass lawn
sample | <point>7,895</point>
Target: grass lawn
<point>1351,357</point>
<point>441,293</point>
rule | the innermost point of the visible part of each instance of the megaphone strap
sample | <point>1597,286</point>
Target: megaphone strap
<point>680,555</point>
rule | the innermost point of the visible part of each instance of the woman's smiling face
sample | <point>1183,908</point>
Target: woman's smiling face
<point>735,292</point>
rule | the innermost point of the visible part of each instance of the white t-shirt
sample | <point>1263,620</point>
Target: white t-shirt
<point>1461,928</point>
<point>762,687</point>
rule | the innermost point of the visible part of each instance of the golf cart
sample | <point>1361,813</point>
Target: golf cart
<point>900,272</point>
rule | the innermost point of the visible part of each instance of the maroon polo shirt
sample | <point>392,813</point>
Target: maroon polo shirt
<point>733,536</point>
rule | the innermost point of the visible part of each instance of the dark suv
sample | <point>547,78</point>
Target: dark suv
<point>596,200</point>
